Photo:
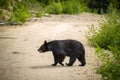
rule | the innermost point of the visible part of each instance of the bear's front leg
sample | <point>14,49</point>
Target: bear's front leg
<point>71,61</point>
<point>55,60</point>
<point>61,59</point>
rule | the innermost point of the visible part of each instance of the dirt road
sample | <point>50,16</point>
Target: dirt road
<point>19,59</point>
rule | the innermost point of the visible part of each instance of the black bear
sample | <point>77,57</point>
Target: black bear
<point>61,48</point>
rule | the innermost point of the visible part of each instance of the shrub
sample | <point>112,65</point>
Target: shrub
<point>68,7</point>
<point>5,3</point>
<point>74,7</point>
<point>54,8</point>
<point>108,32</point>
<point>39,13</point>
<point>35,8</point>
<point>110,68</point>
<point>107,37</point>
<point>20,13</point>
<point>19,10</point>
<point>1,13</point>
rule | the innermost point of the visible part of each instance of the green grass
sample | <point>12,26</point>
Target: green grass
<point>107,36</point>
<point>110,67</point>
<point>4,4</point>
<point>19,11</point>
<point>22,11</point>
<point>67,7</point>
<point>54,8</point>
<point>74,7</point>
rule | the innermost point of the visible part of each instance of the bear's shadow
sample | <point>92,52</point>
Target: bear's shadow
<point>50,67</point>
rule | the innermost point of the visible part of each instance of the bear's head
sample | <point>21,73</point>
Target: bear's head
<point>43,47</point>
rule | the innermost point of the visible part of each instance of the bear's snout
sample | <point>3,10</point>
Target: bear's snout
<point>39,51</point>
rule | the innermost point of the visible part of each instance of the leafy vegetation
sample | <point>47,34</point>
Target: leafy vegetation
<point>101,6</point>
<point>67,7</point>
<point>54,8</point>
<point>5,4</point>
<point>108,32</point>
<point>107,36</point>
<point>74,7</point>
<point>18,11</point>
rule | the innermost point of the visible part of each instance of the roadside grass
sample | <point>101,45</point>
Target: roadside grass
<point>17,12</point>
<point>107,37</point>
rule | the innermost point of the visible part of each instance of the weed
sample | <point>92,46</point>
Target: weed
<point>54,8</point>
<point>20,13</point>
<point>74,7</point>
<point>5,4</point>
<point>107,37</point>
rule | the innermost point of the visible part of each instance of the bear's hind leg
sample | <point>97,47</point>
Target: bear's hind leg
<point>61,59</point>
<point>82,60</point>
<point>71,61</point>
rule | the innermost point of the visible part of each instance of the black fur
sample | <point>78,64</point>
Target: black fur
<point>62,48</point>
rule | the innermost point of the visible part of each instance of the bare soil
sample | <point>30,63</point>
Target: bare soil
<point>20,60</point>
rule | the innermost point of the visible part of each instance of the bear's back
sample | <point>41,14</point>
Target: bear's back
<point>66,43</point>
<point>69,47</point>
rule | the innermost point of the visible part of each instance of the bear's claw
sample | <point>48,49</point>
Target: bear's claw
<point>68,64</point>
<point>53,64</point>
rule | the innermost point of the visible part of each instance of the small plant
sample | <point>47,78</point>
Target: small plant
<point>68,7</point>
<point>1,13</point>
<point>110,68</point>
<point>54,8</point>
<point>108,32</point>
<point>20,13</point>
<point>107,36</point>
<point>39,13</point>
<point>74,7</point>
<point>5,4</point>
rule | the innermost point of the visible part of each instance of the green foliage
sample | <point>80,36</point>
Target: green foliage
<point>54,8</point>
<point>73,7</point>
<point>5,3</point>
<point>108,33</point>
<point>110,68</point>
<point>45,2</point>
<point>107,36</point>
<point>68,7</point>
<point>35,8</point>
<point>101,6</point>
<point>4,15</point>
<point>20,13</point>
<point>39,13</point>
<point>1,13</point>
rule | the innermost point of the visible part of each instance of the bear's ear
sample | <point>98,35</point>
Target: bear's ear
<point>45,42</point>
